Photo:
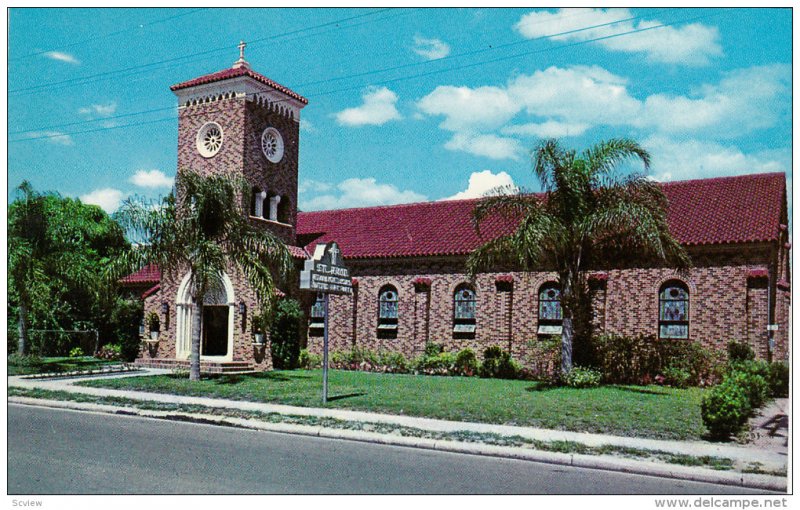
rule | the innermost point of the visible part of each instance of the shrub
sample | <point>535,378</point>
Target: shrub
<point>778,379</point>
<point>433,349</point>
<point>676,377</point>
<point>394,362</point>
<point>754,386</point>
<point>498,363</point>
<point>359,355</point>
<point>18,360</point>
<point>740,351</point>
<point>76,352</point>
<point>581,377</point>
<point>285,334</point>
<point>109,352</point>
<point>440,364</point>
<point>725,409</point>
<point>466,363</point>
<point>309,361</point>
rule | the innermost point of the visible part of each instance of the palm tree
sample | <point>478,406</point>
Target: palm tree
<point>202,227</point>
<point>590,216</point>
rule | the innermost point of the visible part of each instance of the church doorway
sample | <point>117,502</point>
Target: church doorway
<point>216,328</point>
<point>215,331</point>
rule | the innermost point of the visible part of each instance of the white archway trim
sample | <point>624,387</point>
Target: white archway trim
<point>183,324</point>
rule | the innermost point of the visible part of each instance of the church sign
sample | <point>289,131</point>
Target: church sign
<point>325,271</point>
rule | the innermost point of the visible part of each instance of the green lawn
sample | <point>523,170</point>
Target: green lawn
<point>59,364</point>
<point>643,411</point>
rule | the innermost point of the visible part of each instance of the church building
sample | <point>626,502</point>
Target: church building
<point>408,261</point>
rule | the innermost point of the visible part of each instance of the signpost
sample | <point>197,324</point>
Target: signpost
<point>325,273</point>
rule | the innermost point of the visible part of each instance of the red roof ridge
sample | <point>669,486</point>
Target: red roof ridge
<point>762,175</point>
<point>235,72</point>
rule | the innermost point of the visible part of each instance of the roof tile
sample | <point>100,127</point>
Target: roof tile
<point>229,73</point>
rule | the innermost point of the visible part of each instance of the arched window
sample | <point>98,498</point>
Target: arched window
<point>387,310</point>
<point>257,203</point>
<point>550,313</point>
<point>673,310</point>
<point>317,316</point>
<point>464,310</point>
<point>283,209</point>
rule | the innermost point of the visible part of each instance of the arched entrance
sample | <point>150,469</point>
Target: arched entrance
<point>216,331</point>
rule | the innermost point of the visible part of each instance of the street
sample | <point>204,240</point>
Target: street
<point>67,452</point>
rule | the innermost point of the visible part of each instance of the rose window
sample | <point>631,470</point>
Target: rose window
<point>209,139</point>
<point>272,144</point>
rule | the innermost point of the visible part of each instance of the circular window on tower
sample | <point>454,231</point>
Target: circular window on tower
<point>209,139</point>
<point>272,144</point>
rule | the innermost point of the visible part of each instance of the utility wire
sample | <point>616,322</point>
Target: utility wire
<point>404,78</point>
<point>340,78</point>
<point>37,88</point>
<point>110,34</point>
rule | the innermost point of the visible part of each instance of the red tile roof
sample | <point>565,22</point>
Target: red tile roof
<point>147,274</point>
<point>229,73</point>
<point>738,209</point>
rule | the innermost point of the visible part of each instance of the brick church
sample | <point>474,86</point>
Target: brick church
<point>408,261</point>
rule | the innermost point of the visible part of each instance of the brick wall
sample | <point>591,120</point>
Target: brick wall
<point>724,304</point>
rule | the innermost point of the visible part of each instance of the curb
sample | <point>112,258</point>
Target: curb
<point>754,481</point>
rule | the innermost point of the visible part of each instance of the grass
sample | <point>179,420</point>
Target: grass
<point>568,447</point>
<point>640,411</point>
<point>34,365</point>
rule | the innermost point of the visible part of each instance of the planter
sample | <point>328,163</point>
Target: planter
<point>259,339</point>
<point>153,336</point>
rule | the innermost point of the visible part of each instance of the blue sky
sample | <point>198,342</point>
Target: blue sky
<point>405,105</point>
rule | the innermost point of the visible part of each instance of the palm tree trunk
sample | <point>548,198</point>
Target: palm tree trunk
<point>197,321</point>
<point>567,335</point>
<point>22,327</point>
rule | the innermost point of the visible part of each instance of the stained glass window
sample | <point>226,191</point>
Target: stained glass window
<point>388,303</point>
<point>464,308</point>
<point>673,310</point>
<point>550,313</point>
<point>465,303</point>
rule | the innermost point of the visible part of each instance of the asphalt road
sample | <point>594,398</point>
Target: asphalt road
<point>67,452</point>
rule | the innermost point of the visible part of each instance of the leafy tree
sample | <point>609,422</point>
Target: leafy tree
<point>58,250</point>
<point>285,334</point>
<point>202,228</point>
<point>590,216</point>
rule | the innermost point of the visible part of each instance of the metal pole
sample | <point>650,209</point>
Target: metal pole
<point>325,354</point>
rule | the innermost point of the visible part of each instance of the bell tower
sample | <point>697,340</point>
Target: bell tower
<point>238,122</point>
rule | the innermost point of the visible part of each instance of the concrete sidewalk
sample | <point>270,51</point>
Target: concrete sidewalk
<point>769,459</point>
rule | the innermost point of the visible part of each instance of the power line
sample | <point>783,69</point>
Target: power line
<point>404,78</point>
<point>110,34</point>
<point>38,88</point>
<point>413,64</point>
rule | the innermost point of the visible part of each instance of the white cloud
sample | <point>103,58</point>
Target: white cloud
<point>107,198</point>
<point>484,183</point>
<point>62,57</point>
<point>577,94</point>
<point>54,137</point>
<point>310,185</point>
<point>465,108</point>
<point>357,192</point>
<point>549,129</point>
<point>151,179</point>
<point>99,110</point>
<point>378,109</point>
<point>430,48</point>
<point>743,101</point>
<point>690,44</point>
<point>693,159</point>
<point>487,145</point>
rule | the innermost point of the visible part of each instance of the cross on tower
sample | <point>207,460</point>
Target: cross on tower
<point>241,62</point>
<point>334,251</point>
